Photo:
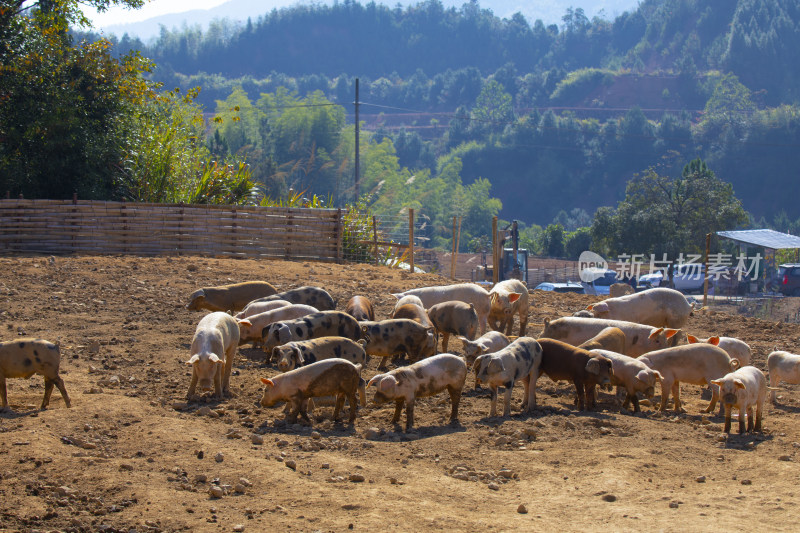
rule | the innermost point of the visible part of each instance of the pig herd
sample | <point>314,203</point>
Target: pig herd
<point>631,342</point>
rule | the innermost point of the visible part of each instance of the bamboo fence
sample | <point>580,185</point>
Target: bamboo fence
<point>98,227</point>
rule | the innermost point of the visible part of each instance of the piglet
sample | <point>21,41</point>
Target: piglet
<point>213,347</point>
<point>424,378</point>
<point>743,389</point>
<point>519,361</point>
<point>454,317</point>
<point>489,342</point>
<point>631,374</point>
<point>562,361</point>
<point>25,357</point>
<point>330,377</point>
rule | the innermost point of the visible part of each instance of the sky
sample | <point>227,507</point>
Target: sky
<point>154,8</point>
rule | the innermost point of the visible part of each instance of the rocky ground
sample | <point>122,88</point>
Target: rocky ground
<point>132,454</point>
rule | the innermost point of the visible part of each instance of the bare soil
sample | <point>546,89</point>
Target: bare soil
<point>131,454</point>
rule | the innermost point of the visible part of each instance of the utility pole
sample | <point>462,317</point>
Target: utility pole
<point>357,159</point>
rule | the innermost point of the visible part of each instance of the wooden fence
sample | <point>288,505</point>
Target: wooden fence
<point>97,227</point>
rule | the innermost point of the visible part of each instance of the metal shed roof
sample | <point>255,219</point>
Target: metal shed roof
<point>763,237</point>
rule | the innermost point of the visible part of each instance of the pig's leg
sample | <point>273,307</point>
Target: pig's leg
<point>218,381</point>
<point>60,384</point>
<point>526,395</point>
<point>750,421</point>
<point>383,365</point>
<point>666,387</point>
<point>759,410</point>
<point>189,395</point>
<point>351,398</point>
<point>635,400</point>
<point>714,399</point>
<point>3,392</point>
<point>493,409</point>
<point>398,409</point>
<point>409,415</point>
<point>523,322</point>
<point>226,376</point>
<point>580,393</point>
<point>300,406</point>
<point>445,340</point>
<point>339,406</point>
<point>773,383</point>
<point>482,321</point>
<point>48,390</point>
<point>727,427</point>
<point>591,399</point>
<point>455,398</point>
<point>676,396</point>
<point>508,323</point>
<point>507,399</point>
<point>362,393</point>
<point>530,396</point>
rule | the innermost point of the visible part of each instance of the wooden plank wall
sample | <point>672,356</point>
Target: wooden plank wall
<point>97,227</point>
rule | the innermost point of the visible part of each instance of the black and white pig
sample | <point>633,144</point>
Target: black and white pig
<point>313,296</point>
<point>398,336</point>
<point>423,378</point>
<point>315,325</point>
<point>519,361</point>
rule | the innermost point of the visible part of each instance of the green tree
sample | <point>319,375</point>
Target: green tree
<point>493,109</point>
<point>553,240</point>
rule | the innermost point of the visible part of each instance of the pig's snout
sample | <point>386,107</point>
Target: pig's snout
<point>729,398</point>
<point>650,392</point>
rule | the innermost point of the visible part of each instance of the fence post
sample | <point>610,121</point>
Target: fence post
<point>375,236</point>
<point>453,257</point>
<point>458,245</point>
<point>338,235</point>
<point>411,237</point>
<point>705,281</point>
<point>495,254</point>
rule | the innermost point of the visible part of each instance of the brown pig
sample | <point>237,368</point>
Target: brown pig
<point>413,312</point>
<point>330,377</point>
<point>398,336</point>
<point>454,317</point>
<point>611,338</point>
<point>25,357</point>
<point>313,296</point>
<point>229,297</point>
<point>562,361</point>
<point>360,308</point>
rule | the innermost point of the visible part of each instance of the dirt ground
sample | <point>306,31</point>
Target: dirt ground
<point>132,455</point>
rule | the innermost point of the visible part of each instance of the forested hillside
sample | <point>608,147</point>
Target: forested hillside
<point>464,113</point>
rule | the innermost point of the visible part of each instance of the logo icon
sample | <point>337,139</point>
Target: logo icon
<point>591,266</point>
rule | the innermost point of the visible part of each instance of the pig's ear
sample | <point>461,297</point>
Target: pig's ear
<point>268,382</point>
<point>493,297</point>
<point>602,307</point>
<point>546,322</point>
<point>593,366</point>
<point>275,353</point>
<point>193,359</point>
<point>658,375</point>
<point>672,332</point>
<point>374,380</point>
<point>717,382</point>
<point>739,384</point>
<point>589,307</point>
<point>477,363</point>
<point>692,339</point>
<point>245,322</point>
<point>513,297</point>
<point>656,333</point>
<point>386,385</point>
<point>495,366</point>
<point>214,358</point>
<point>361,342</point>
<point>298,355</point>
<point>642,376</point>
<point>714,341</point>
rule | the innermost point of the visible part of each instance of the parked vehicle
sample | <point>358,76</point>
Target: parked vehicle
<point>569,286</point>
<point>603,280</point>
<point>686,277</point>
<point>789,279</point>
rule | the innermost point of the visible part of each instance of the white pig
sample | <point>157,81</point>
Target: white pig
<point>783,366</point>
<point>519,361</point>
<point>697,364</point>
<point>632,375</point>
<point>489,342</point>
<point>463,292</point>
<point>639,338</point>
<point>736,348</point>
<point>23,358</point>
<point>424,378</point>
<point>213,347</point>
<point>743,389</point>
<point>509,298</point>
<point>660,307</point>
<point>251,329</point>
<point>254,308</point>
<point>410,299</point>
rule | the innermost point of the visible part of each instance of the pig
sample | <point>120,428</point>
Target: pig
<point>743,389</point>
<point>697,364</point>
<point>659,307</point>
<point>562,361</point>
<point>463,292</point>
<point>423,378</point>
<point>260,307</point>
<point>458,318</point>
<point>397,336</point>
<point>322,324</point>
<point>25,357</point>
<point>490,342</point>
<point>229,297</point>
<point>251,329</point>
<point>410,299</point>
<point>360,308</point>
<point>413,312</point>
<point>583,313</point>
<point>632,375</point>
<point>639,338</point>
<point>783,366</point>
<point>509,298</point>
<point>330,377</point>
<point>519,361</point>
<point>300,353</point>
<point>620,289</point>
<point>313,296</point>
<point>611,338</point>
<point>737,349</point>
<point>213,347</point>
